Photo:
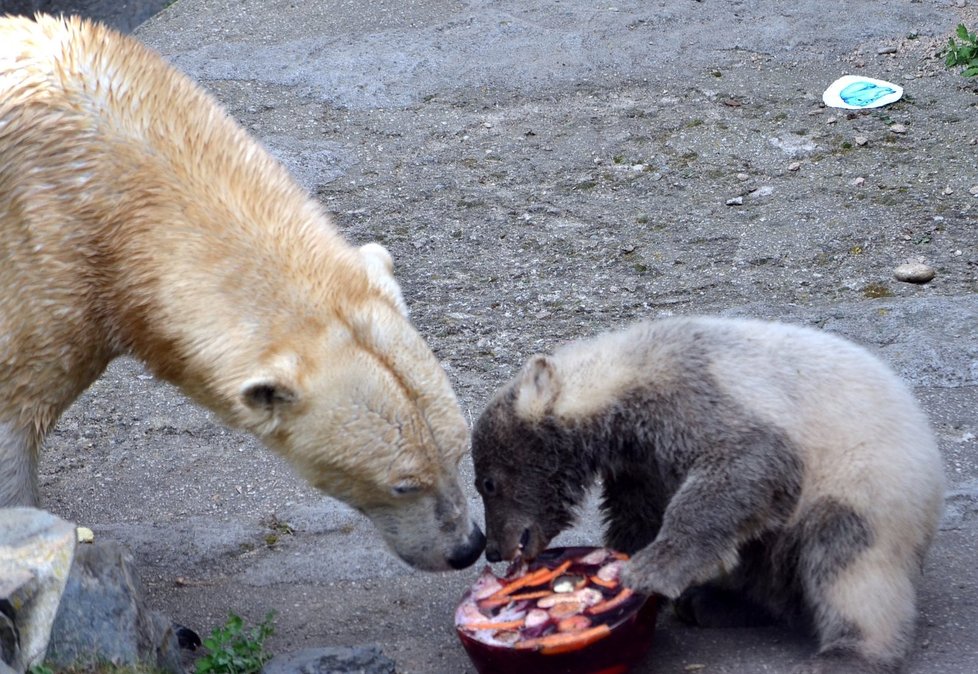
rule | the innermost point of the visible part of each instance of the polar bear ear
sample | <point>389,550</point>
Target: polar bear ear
<point>267,395</point>
<point>272,388</point>
<point>380,271</point>
<point>537,388</point>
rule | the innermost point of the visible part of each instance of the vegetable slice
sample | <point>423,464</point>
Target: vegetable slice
<point>565,642</point>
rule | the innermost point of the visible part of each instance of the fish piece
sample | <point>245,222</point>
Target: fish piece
<point>486,584</point>
<point>509,637</point>
<point>514,612</point>
<point>587,596</point>
<point>595,557</point>
<point>566,609</point>
<point>536,617</point>
<point>469,613</point>
<point>569,583</point>
<point>611,571</point>
<point>574,623</point>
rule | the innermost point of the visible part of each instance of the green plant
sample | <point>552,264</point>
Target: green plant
<point>234,650</point>
<point>40,669</point>
<point>964,53</point>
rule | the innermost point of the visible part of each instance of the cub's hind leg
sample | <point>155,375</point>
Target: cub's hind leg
<point>716,605</point>
<point>860,593</point>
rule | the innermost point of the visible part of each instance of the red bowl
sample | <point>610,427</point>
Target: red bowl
<point>631,624</point>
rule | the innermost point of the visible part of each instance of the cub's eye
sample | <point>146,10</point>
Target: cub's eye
<point>488,486</point>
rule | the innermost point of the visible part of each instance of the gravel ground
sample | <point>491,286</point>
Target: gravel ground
<point>543,171</point>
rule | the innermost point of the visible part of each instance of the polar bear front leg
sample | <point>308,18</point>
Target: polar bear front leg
<point>18,467</point>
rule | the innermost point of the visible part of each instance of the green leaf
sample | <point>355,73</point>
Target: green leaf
<point>962,31</point>
<point>972,71</point>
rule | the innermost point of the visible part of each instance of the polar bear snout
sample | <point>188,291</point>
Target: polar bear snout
<point>465,555</point>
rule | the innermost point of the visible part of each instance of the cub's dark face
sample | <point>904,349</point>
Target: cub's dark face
<point>528,478</point>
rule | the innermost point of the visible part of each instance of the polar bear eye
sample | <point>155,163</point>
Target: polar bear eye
<point>405,488</point>
<point>488,486</point>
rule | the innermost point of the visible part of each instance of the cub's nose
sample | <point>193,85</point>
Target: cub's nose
<point>493,555</point>
<point>466,554</point>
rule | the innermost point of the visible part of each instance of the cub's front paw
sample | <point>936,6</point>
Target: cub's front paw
<point>643,574</point>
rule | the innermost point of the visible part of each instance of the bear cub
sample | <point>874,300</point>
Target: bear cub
<point>752,470</point>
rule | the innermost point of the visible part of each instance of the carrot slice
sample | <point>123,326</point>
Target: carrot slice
<point>610,584</point>
<point>495,602</point>
<point>504,625</point>
<point>565,642</point>
<point>538,577</point>
<point>614,602</point>
<point>531,595</point>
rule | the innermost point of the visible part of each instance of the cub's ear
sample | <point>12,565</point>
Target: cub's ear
<point>380,271</point>
<point>537,388</point>
<point>267,395</point>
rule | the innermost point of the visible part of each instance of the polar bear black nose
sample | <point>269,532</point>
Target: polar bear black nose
<point>465,555</point>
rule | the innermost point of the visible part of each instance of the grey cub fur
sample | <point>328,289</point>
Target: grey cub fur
<point>752,469</point>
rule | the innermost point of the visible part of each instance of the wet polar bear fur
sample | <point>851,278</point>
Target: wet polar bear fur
<point>137,218</point>
<point>773,464</point>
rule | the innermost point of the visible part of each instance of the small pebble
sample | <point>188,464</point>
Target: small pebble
<point>913,272</point>
<point>858,182</point>
<point>736,201</point>
<point>794,166</point>
<point>973,190</point>
<point>887,50</point>
<point>947,190</point>
<point>831,120</point>
<point>743,176</point>
<point>861,140</point>
<point>898,128</point>
<point>85,535</point>
<point>762,191</point>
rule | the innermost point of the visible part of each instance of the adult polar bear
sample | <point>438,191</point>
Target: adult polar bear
<point>137,218</point>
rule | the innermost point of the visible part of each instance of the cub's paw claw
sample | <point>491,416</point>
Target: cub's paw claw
<point>641,578</point>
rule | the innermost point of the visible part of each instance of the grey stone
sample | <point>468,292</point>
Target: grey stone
<point>104,618</point>
<point>914,272</point>
<point>333,660</point>
<point>9,643</point>
<point>36,550</point>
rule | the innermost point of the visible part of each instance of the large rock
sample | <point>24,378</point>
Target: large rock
<point>36,550</point>
<point>332,660</point>
<point>104,618</point>
<point>122,16</point>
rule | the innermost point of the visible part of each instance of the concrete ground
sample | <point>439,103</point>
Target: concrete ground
<point>543,170</point>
